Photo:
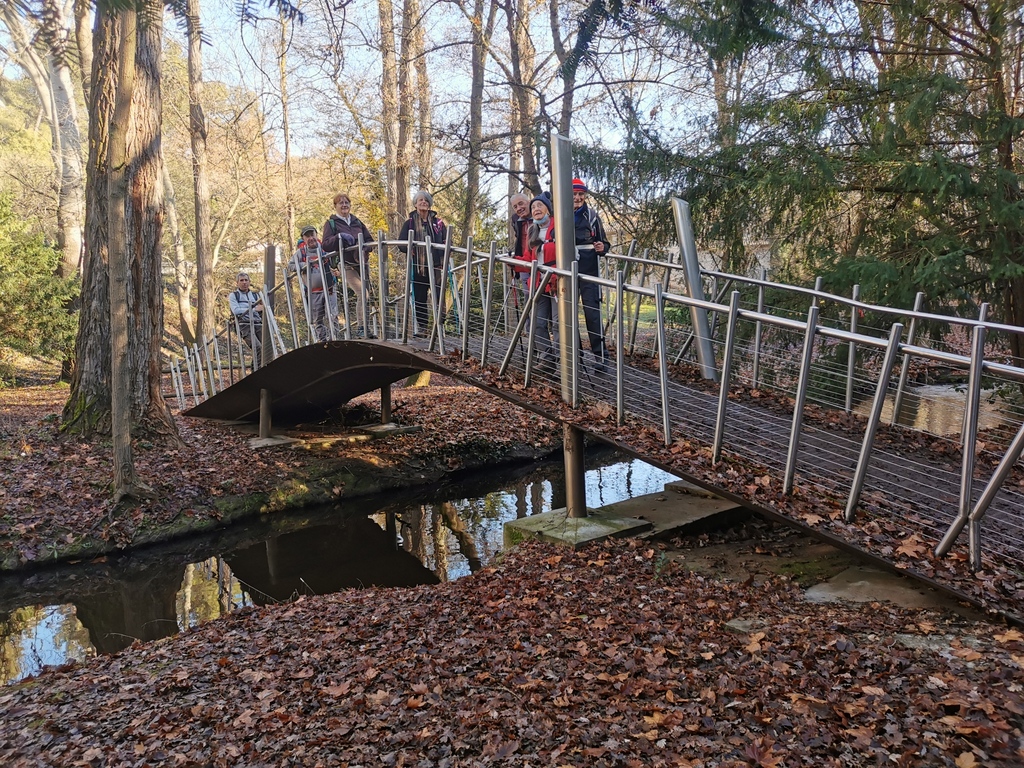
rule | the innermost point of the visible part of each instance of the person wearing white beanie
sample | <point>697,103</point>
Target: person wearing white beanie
<point>424,223</point>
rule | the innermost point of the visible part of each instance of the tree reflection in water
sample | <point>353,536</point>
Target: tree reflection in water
<point>70,612</point>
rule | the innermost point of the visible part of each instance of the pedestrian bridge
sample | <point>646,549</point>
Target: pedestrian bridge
<point>894,431</point>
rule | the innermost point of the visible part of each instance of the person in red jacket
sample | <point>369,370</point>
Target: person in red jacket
<point>541,248</point>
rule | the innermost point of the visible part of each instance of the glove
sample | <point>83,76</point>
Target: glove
<point>347,239</point>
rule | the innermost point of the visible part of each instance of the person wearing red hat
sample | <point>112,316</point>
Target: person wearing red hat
<point>591,242</point>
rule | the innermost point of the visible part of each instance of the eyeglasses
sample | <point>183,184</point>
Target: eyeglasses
<point>344,204</point>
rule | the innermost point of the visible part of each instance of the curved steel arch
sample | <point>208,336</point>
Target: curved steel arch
<point>308,382</point>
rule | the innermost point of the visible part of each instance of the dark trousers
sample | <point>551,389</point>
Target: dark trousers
<point>590,295</point>
<point>544,327</point>
<point>253,335</point>
<point>420,292</point>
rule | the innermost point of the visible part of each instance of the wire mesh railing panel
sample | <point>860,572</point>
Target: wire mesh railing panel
<point>475,300</point>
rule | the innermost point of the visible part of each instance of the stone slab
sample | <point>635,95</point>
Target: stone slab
<point>386,430</point>
<point>557,527</point>
<point>673,511</point>
<point>270,442</point>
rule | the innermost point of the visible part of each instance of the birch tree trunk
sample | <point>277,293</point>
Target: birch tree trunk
<point>182,281</point>
<point>67,139</point>
<point>45,61</point>
<point>200,184</point>
<point>83,40</point>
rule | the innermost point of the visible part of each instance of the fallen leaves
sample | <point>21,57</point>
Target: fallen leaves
<point>603,665</point>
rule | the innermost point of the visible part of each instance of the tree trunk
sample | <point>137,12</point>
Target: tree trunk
<point>478,58</point>
<point>201,187</point>
<point>524,96</point>
<point>125,480</point>
<point>182,281</point>
<point>83,39</point>
<point>89,407</point>
<point>425,132</point>
<point>406,99</point>
<point>289,196</point>
<point>87,411</point>
<point>389,113</point>
<point>568,72</point>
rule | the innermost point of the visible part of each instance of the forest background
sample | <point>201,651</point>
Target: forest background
<point>148,151</point>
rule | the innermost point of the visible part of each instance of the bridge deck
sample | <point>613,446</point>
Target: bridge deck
<point>910,496</point>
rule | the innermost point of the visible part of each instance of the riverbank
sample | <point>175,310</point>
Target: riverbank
<point>54,490</point>
<point>610,656</point>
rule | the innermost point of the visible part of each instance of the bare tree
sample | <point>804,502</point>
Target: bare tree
<point>200,183</point>
<point>182,279</point>
<point>482,30</point>
<point>125,223</point>
<point>48,69</point>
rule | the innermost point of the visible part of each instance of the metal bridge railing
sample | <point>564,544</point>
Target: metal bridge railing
<point>823,354</point>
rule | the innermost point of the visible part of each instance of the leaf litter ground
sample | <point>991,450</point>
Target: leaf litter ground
<point>613,656</point>
<point>602,657</point>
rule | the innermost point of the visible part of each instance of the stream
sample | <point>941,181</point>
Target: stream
<point>70,612</point>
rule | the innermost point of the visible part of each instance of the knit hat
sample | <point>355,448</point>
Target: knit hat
<point>578,186</point>
<point>543,197</point>
<point>425,195</point>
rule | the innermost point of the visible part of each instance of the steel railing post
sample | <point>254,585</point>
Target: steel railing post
<point>801,397</point>
<point>874,419</point>
<point>851,354</point>
<point>209,364</point>
<point>407,297</point>
<point>666,423</point>
<point>382,282</point>
<point>723,392</point>
<point>620,359</point>
<point>466,293</point>
<point>901,387</point>
<point>694,288</point>
<point>574,340</point>
<point>199,369</point>
<point>756,373</point>
<point>291,308</point>
<point>491,258</point>
<point>636,306</point>
<point>231,352</point>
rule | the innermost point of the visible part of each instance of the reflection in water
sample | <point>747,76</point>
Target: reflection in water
<point>939,409</point>
<point>51,617</point>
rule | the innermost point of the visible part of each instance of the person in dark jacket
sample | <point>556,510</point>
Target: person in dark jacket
<point>519,223</point>
<point>423,223</point>
<point>341,234</point>
<point>591,242</point>
<point>318,281</point>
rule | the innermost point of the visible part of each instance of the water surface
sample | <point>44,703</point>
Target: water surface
<point>71,612</point>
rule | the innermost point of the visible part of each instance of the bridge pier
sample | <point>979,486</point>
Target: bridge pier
<point>575,469</point>
<point>265,413</point>
<point>385,404</point>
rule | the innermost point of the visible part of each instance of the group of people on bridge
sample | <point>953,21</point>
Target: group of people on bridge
<point>322,264</point>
